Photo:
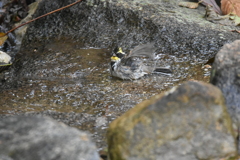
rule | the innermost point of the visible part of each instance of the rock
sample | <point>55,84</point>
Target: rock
<point>225,74</point>
<point>106,23</point>
<point>28,138</point>
<point>186,123</point>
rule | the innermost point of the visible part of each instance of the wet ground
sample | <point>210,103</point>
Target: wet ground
<point>73,85</point>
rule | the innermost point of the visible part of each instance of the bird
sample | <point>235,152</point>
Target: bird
<point>139,62</point>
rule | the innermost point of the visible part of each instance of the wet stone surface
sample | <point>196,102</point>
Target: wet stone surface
<point>73,85</point>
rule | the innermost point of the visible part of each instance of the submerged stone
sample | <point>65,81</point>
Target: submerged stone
<point>188,123</point>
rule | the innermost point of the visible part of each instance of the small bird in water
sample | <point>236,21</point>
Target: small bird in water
<point>139,62</point>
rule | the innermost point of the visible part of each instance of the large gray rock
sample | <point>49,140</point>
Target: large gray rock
<point>105,23</point>
<point>186,123</point>
<point>39,138</point>
<point>226,75</point>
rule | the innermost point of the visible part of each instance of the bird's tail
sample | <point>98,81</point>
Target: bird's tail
<point>163,70</point>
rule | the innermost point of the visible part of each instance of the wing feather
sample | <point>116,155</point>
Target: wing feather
<point>143,50</point>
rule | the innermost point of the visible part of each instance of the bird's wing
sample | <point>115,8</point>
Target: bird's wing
<point>132,62</point>
<point>143,50</point>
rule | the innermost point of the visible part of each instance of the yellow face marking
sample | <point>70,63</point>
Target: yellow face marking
<point>120,50</point>
<point>114,58</point>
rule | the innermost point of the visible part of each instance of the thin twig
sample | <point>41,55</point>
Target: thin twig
<point>40,17</point>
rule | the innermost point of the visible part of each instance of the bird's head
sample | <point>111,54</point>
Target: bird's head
<point>118,52</point>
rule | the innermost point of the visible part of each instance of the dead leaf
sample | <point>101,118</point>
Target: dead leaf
<point>230,7</point>
<point>213,4</point>
<point>3,38</point>
<point>212,16</point>
<point>230,19</point>
<point>235,18</point>
<point>191,5</point>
